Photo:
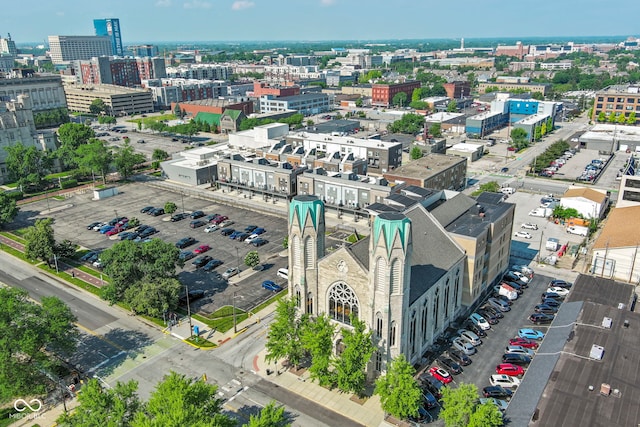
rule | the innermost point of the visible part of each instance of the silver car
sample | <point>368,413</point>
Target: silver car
<point>464,346</point>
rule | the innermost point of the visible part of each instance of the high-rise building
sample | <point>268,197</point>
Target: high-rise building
<point>71,48</point>
<point>110,27</point>
<point>8,46</point>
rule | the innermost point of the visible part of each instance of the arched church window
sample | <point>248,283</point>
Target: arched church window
<point>380,273</point>
<point>309,303</point>
<point>395,276</point>
<point>392,334</point>
<point>298,296</point>
<point>342,303</point>
<point>446,300</point>
<point>412,332</point>
<point>425,319</point>
<point>295,248</point>
<point>436,309</point>
<point>378,330</point>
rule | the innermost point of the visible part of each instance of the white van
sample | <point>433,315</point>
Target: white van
<point>283,273</point>
<point>507,190</point>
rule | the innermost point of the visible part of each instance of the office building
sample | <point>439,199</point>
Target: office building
<point>71,48</point>
<point>120,100</point>
<point>45,91</point>
<point>143,50</point>
<point>307,104</point>
<point>110,27</point>
<point>616,100</point>
<point>8,46</point>
<point>382,94</point>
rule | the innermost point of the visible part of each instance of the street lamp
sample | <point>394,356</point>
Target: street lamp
<point>238,259</point>
<point>189,311</point>
<point>182,198</point>
<point>233,303</point>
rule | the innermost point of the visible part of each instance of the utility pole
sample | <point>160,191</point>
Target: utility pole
<point>540,246</point>
<point>189,311</point>
<point>604,261</point>
<point>633,263</point>
<point>233,303</point>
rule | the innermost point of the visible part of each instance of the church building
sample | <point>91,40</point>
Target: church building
<point>404,280</point>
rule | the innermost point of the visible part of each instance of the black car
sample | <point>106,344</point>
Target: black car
<point>141,228</point>
<point>179,217</point>
<point>449,365</point>
<point>259,242</point>
<point>551,302</point>
<point>227,231</point>
<point>497,392</point>
<point>126,234</point>
<point>184,242</point>
<point>197,214</point>
<point>116,220</point>
<point>186,255</point>
<point>469,325</point>
<point>197,223</point>
<point>201,261</point>
<point>146,209</point>
<point>552,295</point>
<point>131,236</point>
<point>459,357</point>
<point>242,237</point>
<point>157,212</point>
<point>250,228</point>
<point>540,318</point>
<point>516,359</point>
<point>510,277</point>
<point>431,384</point>
<point>503,298</point>
<point>88,255</point>
<point>193,295</point>
<point>491,318</point>
<point>557,283</point>
<point>147,232</point>
<point>546,309</point>
<point>504,170</point>
<point>493,311</point>
<point>93,224</point>
<point>212,264</point>
<point>212,217</point>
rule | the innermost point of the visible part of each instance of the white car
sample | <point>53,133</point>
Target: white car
<point>523,277</point>
<point>560,291</point>
<point>518,349</point>
<point>522,269</point>
<point>480,321</point>
<point>523,234</point>
<point>464,346</point>
<point>529,226</point>
<point>504,380</point>
<point>211,228</point>
<point>251,238</point>
<point>470,337</point>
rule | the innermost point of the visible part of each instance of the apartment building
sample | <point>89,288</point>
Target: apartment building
<point>382,94</point>
<point>70,48</point>
<point>542,88</point>
<point>307,104</point>
<point>617,100</point>
<point>168,91</point>
<point>200,72</point>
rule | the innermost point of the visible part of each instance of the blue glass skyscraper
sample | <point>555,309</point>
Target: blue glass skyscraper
<point>110,27</point>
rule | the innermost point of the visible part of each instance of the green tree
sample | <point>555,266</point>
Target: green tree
<point>350,365</point>
<point>181,401</point>
<point>435,130</point>
<point>177,111</point>
<point>631,120</point>
<point>29,334</point>
<point>65,249</point>
<point>602,117</point>
<point>612,117</point>
<point>127,263</point>
<point>491,187</point>
<point>252,259</point>
<point>283,340</point>
<point>8,209</point>
<point>75,134</point>
<point>458,404</point>
<point>416,95</point>
<point>452,106</point>
<point>399,99</point>
<point>40,241</point>
<point>170,207</point>
<point>359,102</point>
<point>399,391</point>
<point>537,133</point>
<point>270,416</point>
<point>97,106</point>
<point>537,95</point>
<point>416,153</point>
<point>621,119</point>
<point>107,120</point>
<point>285,242</point>
<point>100,406</point>
<point>126,159</point>
<point>409,123</point>
<point>486,415</point>
<point>317,339</point>
<point>27,165</point>
<point>153,297</point>
<point>95,156</point>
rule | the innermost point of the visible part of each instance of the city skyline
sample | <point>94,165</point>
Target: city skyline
<point>321,20</point>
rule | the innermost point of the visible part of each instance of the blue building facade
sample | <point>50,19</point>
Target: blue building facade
<point>110,27</point>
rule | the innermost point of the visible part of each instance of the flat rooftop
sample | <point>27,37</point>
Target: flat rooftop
<point>427,166</point>
<point>103,89</point>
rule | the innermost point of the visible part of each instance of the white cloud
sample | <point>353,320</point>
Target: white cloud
<point>327,2</point>
<point>242,4</point>
<point>163,3</point>
<point>197,4</point>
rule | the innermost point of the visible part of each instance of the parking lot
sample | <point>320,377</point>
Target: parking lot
<point>72,215</point>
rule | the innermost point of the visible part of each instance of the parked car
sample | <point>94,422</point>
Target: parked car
<point>201,261</point>
<point>546,309</point>
<point>157,212</point>
<point>521,277</point>
<point>540,318</point>
<point>271,286</point>
<point>146,208</point>
<point>129,235</point>
<point>480,321</point>
<point>516,349</point>
<point>211,217</point>
<point>93,224</point>
<point>440,374</point>
<point>552,302</point>
<point>197,223</point>
<point>219,219</point>
<point>429,399</point>
<point>450,365</point>
<point>524,342</point>
<point>99,225</point>
<point>184,242</point>
<point>560,291</point>
<point>117,220</point>
<point>250,228</point>
<point>529,226</point>
<point>259,242</point>
<point>193,295</point>
<point>504,380</point>
<point>470,337</point>
<point>147,232</point>
<point>179,217</point>
<point>202,249</point>
<point>226,223</point>
<point>474,328</point>
<point>258,231</point>
<point>241,237</point>
<point>233,235</point>
<point>197,214</point>
<point>113,231</point>
<point>510,369</point>
<point>501,404</point>
<point>497,392</point>
<point>88,255</point>
<point>492,318</point>
<point>532,334</point>
<point>106,228</point>
<point>499,304</point>
<point>211,265</point>
<point>432,384</point>
<point>459,357</point>
<point>463,346</point>
<point>523,269</point>
<point>552,295</point>
<point>560,284</point>
<point>227,231</point>
<point>186,255</point>
<point>211,228</point>
<point>516,359</point>
<point>230,272</point>
<point>523,235</point>
<point>503,298</point>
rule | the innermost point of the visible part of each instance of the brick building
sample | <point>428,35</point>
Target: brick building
<point>617,100</point>
<point>382,94</point>
<point>216,106</point>
<point>457,90</point>
<point>261,88</point>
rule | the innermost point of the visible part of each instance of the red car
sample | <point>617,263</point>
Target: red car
<point>202,249</point>
<point>440,374</point>
<point>113,231</point>
<point>219,219</point>
<point>510,369</point>
<point>523,342</point>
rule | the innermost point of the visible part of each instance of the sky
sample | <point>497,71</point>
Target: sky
<point>319,20</point>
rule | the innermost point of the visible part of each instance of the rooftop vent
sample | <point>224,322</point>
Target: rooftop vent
<point>597,352</point>
<point>606,323</point>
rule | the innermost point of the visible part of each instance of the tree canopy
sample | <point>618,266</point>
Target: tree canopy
<point>40,241</point>
<point>95,156</point>
<point>8,208</point>
<point>97,106</point>
<point>491,187</point>
<point>461,408</point>
<point>358,349</point>
<point>409,123</point>
<point>27,165</point>
<point>399,391</point>
<point>284,338</point>
<point>126,159</point>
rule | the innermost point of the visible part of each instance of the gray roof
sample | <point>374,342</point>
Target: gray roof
<point>452,209</point>
<point>402,200</point>
<point>477,219</point>
<point>490,198</point>
<point>360,251</point>
<point>421,192</point>
<point>434,252</point>
<point>589,288</point>
<point>380,207</point>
